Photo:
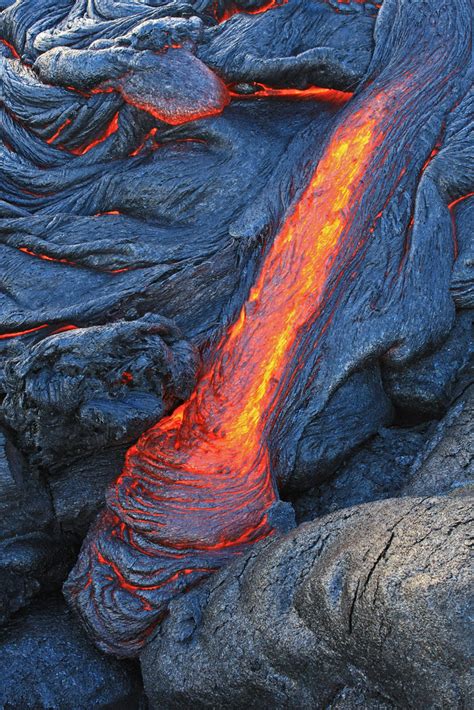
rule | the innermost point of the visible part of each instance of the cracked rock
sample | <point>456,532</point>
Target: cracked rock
<point>366,607</point>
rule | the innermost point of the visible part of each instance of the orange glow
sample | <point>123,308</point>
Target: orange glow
<point>45,257</point>
<point>460,199</point>
<point>111,128</point>
<point>60,129</point>
<point>150,134</point>
<point>64,329</point>
<point>166,114</point>
<point>313,92</point>
<point>230,12</point>
<point>178,119</point>
<point>5,336</point>
<point>211,452</point>
<point>273,4</point>
<point>451,207</point>
<point>11,48</point>
<point>321,211</point>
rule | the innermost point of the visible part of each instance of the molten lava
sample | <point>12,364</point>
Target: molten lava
<point>200,481</point>
<point>332,96</point>
<point>198,488</point>
<point>232,9</point>
<point>17,334</point>
<point>217,438</point>
<point>109,130</point>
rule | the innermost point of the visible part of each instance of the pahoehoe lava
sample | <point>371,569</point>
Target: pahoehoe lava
<point>200,486</point>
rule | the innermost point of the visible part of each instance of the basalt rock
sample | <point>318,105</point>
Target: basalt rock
<point>83,389</point>
<point>33,557</point>
<point>445,465</point>
<point>78,490</point>
<point>253,48</point>
<point>424,389</point>
<point>47,662</point>
<point>462,284</point>
<point>145,79</point>
<point>357,410</point>
<point>290,184</point>
<point>366,607</point>
<point>380,469</point>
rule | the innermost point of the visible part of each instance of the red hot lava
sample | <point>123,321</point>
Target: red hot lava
<point>199,482</point>
<point>198,488</point>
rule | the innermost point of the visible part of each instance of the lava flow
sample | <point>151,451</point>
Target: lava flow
<point>198,488</point>
<point>199,483</point>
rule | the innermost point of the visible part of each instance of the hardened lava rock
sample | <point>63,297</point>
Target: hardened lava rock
<point>33,558</point>
<point>367,607</point>
<point>47,661</point>
<point>152,156</point>
<point>84,389</point>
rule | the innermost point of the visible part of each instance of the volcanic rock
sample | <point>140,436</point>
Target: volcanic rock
<point>462,284</point>
<point>47,662</point>
<point>378,470</point>
<point>357,410</point>
<point>83,389</point>
<point>33,558</point>
<point>445,465</point>
<point>272,49</point>
<point>368,602</point>
<point>78,490</point>
<point>424,389</point>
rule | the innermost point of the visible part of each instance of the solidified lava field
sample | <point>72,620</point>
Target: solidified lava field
<point>236,339</point>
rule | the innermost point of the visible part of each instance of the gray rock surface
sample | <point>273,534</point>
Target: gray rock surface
<point>84,389</point>
<point>462,284</point>
<point>356,411</point>
<point>446,462</point>
<point>365,607</point>
<point>424,389</point>
<point>378,470</point>
<point>48,663</point>
<point>78,491</point>
<point>33,558</point>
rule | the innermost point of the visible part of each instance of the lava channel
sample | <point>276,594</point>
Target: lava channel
<point>197,489</point>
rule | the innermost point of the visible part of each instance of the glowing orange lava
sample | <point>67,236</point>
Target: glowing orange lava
<point>60,130</point>
<point>273,4</point>
<point>5,336</point>
<point>333,96</point>
<point>45,257</point>
<point>111,128</point>
<point>12,49</point>
<point>233,10</point>
<point>212,450</point>
<point>460,199</point>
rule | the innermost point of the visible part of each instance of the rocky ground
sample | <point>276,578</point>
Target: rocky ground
<point>128,244</point>
<point>362,605</point>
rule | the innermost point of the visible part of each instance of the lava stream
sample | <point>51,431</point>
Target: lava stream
<point>199,483</point>
<point>198,488</point>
